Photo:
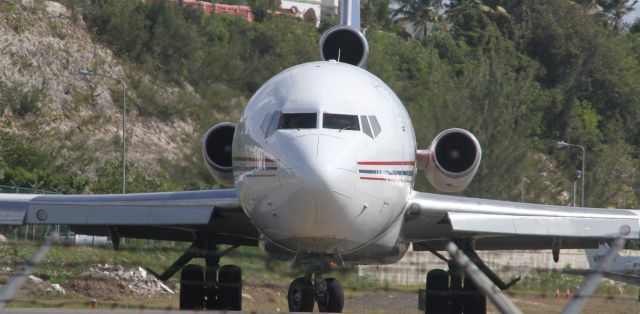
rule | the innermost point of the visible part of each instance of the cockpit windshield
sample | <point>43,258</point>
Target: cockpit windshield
<point>340,121</point>
<point>298,121</point>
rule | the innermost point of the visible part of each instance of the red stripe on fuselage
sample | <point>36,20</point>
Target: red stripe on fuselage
<point>372,178</point>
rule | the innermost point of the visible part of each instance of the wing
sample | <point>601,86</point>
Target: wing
<point>164,216</point>
<point>433,219</point>
<point>632,280</point>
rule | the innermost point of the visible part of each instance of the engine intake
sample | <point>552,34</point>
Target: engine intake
<point>452,160</point>
<point>346,44</point>
<point>217,152</point>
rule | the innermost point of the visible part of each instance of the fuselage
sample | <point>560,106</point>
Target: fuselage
<point>324,160</point>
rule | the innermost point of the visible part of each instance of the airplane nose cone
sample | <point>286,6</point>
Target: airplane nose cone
<point>323,174</point>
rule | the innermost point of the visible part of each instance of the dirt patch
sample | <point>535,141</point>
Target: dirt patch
<point>98,288</point>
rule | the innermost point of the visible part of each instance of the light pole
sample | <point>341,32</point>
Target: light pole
<point>87,72</point>
<point>578,176</point>
<point>563,144</point>
<point>523,181</point>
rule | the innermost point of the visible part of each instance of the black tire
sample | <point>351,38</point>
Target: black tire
<point>455,300</point>
<point>437,298</point>
<point>230,288</point>
<point>335,297</point>
<point>300,295</point>
<point>474,302</point>
<point>192,287</point>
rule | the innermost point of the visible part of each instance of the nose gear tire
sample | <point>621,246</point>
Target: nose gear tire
<point>300,296</point>
<point>334,300</point>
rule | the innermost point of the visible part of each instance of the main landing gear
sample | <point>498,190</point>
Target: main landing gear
<point>451,292</point>
<point>305,291</point>
<point>446,294</point>
<point>206,288</point>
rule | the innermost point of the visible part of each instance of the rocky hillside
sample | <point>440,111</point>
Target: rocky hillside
<point>44,101</point>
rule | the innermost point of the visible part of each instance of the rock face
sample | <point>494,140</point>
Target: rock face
<point>43,45</point>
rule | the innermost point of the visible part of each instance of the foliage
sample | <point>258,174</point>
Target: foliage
<point>521,75</point>
<point>545,283</point>
<point>21,100</point>
<point>422,15</point>
<point>25,165</point>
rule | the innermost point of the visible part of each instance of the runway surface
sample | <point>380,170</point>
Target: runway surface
<point>377,302</point>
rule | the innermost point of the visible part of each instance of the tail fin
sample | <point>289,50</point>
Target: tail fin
<point>594,256</point>
<point>350,13</point>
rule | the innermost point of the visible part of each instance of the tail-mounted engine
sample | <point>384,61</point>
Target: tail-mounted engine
<point>452,160</point>
<point>217,151</point>
<point>344,43</point>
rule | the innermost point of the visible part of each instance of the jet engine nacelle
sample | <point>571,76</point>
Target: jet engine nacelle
<point>217,151</point>
<point>452,160</point>
<point>346,44</point>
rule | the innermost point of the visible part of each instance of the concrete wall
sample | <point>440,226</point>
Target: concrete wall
<point>413,267</point>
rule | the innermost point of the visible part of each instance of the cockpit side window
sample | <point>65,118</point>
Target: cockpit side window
<point>264,126</point>
<point>365,126</point>
<point>340,121</point>
<point>375,126</point>
<point>299,121</point>
<point>275,119</point>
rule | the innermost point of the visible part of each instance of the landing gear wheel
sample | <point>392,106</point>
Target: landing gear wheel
<point>192,287</point>
<point>230,288</point>
<point>437,299</point>
<point>455,300</point>
<point>474,301</point>
<point>334,300</point>
<point>300,295</point>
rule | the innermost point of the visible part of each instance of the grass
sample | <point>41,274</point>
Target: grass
<point>265,280</point>
<point>64,262</point>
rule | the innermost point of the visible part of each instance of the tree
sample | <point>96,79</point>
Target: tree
<point>310,16</point>
<point>635,27</point>
<point>421,15</point>
<point>375,13</point>
<point>616,10</point>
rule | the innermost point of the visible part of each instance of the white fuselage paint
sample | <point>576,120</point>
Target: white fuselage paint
<point>326,191</point>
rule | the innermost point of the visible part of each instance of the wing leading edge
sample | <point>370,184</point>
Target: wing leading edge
<point>176,216</point>
<point>168,208</point>
<point>502,225</point>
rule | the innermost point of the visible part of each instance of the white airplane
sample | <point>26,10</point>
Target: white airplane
<point>623,268</point>
<point>323,163</point>
<point>623,265</point>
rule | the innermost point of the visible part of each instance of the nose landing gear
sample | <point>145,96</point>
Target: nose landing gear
<point>303,291</point>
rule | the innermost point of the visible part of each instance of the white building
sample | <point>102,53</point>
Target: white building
<point>329,8</point>
<point>302,6</point>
